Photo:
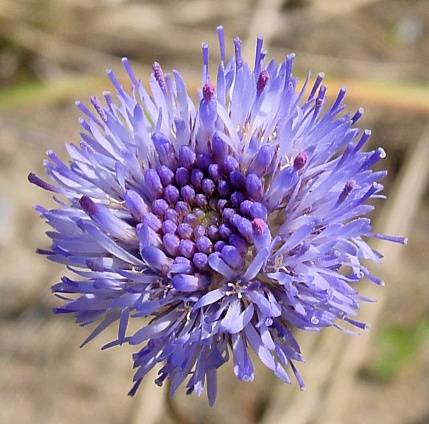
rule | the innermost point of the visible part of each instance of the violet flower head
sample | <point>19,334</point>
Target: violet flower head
<point>221,226</point>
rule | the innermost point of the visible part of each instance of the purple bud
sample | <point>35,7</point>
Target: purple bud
<point>230,164</point>
<point>300,161</point>
<point>213,204</point>
<point>182,208</point>
<point>181,265</point>
<point>244,227</point>
<point>168,226</point>
<point>164,149</point>
<point>214,218</point>
<point>239,243</point>
<point>237,198</point>
<point>200,261</point>
<point>259,226</point>
<point>231,256</point>
<point>153,183</point>
<point>184,230</point>
<point>186,157</point>
<point>198,213</point>
<point>182,176</point>
<point>208,186</point>
<point>218,246</point>
<point>219,147</point>
<point>262,81</point>
<point>171,214</point>
<point>171,243</point>
<point>258,210</point>
<point>204,244</point>
<point>262,160</point>
<point>254,186</point>
<point>166,175</point>
<point>186,248</point>
<point>235,219</point>
<point>187,193</point>
<point>135,204</point>
<point>261,234</point>
<point>221,204</point>
<point>171,194</point>
<point>190,218</point>
<point>213,232</point>
<point>224,231</point>
<point>245,207</point>
<point>237,179</point>
<point>201,200</point>
<point>196,178</point>
<point>223,188</point>
<point>203,161</point>
<point>152,221</point>
<point>199,231</point>
<point>214,171</point>
<point>159,206</point>
<point>227,214</point>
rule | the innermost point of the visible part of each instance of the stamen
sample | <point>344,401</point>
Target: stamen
<point>319,101</point>
<point>320,77</point>
<point>338,100</point>
<point>116,83</point>
<point>300,161</point>
<point>365,136</point>
<point>159,76</point>
<point>262,81</point>
<point>97,106</point>
<point>208,92</point>
<point>357,115</point>
<point>129,70</point>
<point>205,51</point>
<point>290,58</point>
<point>348,187</point>
<point>238,58</point>
<point>259,43</point>
<point>221,38</point>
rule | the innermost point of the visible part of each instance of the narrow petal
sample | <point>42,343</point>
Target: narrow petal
<point>218,265</point>
<point>256,265</point>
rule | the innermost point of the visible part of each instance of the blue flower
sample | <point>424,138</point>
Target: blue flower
<point>221,226</point>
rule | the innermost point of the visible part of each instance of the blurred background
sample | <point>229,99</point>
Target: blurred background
<point>53,52</point>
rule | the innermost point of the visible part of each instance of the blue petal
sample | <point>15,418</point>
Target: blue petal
<point>155,258</point>
<point>243,368</point>
<point>217,264</point>
<point>256,265</point>
<point>189,283</point>
<point>235,320</point>
<point>209,298</point>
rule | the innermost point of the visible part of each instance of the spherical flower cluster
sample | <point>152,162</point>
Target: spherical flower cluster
<point>220,227</point>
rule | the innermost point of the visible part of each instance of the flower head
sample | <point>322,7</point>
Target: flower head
<point>220,226</point>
